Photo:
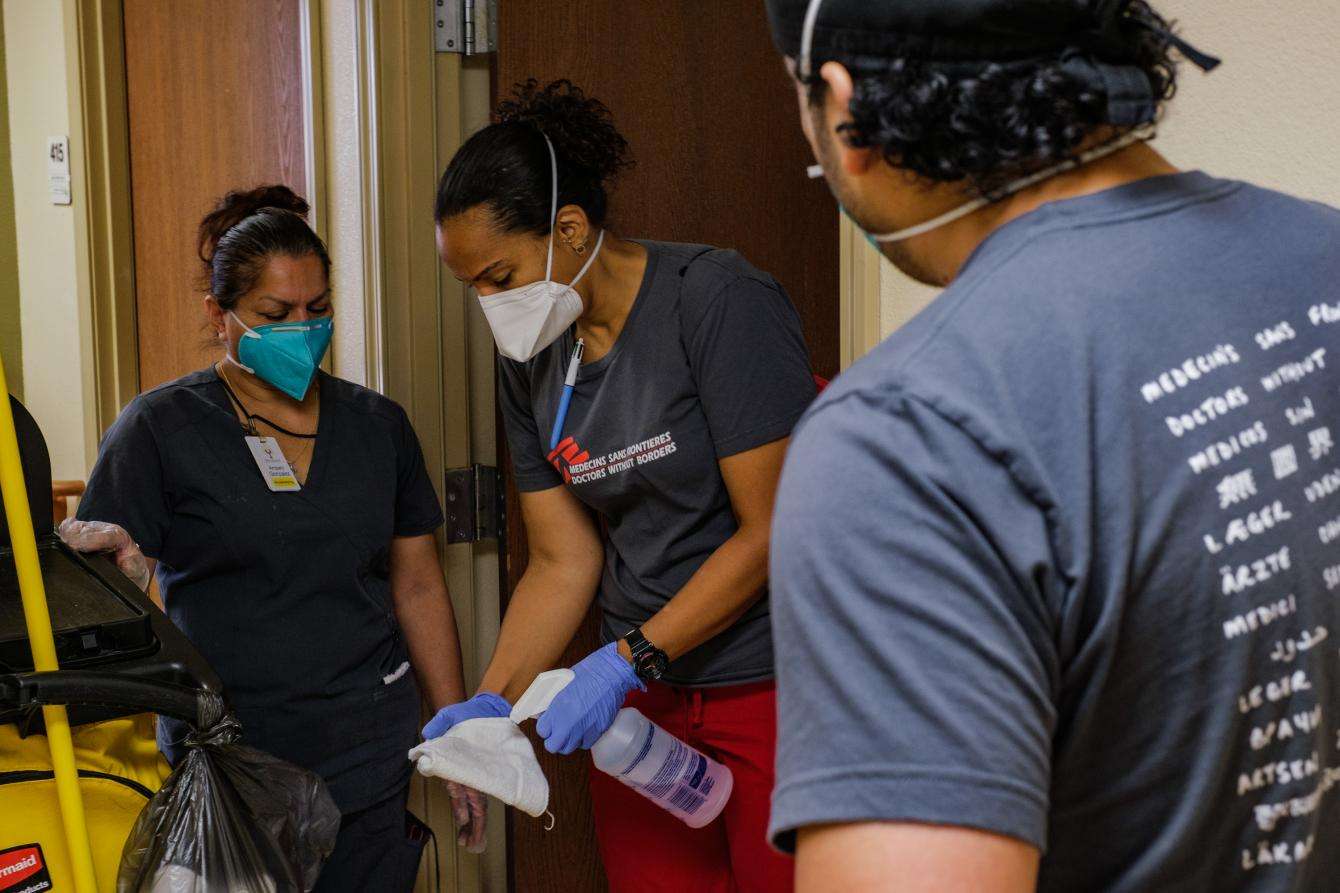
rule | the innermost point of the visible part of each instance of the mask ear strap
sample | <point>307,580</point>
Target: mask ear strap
<point>1139,134</point>
<point>803,64</point>
<point>553,207</point>
<point>590,260</point>
<point>250,332</point>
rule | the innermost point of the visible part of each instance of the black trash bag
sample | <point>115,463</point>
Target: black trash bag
<point>230,818</point>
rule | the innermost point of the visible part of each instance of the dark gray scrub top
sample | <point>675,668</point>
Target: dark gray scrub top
<point>286,594</point>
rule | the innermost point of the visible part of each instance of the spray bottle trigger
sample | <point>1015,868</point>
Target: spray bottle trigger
<point>542,691</point>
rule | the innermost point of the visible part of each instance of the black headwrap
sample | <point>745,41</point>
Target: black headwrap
<point>1093,38</point>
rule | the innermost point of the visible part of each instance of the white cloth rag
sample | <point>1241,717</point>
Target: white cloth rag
<point>491,755</point>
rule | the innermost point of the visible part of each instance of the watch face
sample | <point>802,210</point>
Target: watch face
<point>653,664</point>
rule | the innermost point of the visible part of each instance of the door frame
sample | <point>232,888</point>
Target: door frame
<point>100,175</point>
<point>436,354</point>
<point>859,293</point>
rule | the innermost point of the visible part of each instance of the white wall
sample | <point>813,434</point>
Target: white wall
<point>1270,114</point>
<point>57,369</point>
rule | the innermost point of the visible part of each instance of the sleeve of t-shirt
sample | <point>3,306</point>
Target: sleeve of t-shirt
<point>417,509</point>
<point>129,485</point>
<point>529,455</point>
<point>915,657</point>
<point>748,358</point>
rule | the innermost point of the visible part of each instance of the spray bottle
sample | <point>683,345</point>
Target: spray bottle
<point>680,779</point>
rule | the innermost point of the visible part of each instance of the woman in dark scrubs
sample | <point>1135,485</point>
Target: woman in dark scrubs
<point>292,519</point>
<point>653,492</point>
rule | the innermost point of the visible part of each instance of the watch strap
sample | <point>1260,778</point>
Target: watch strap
<point>649,662</point>
<point>638,643</point>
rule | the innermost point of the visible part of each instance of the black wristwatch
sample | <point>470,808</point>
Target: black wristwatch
<point>649,662</point>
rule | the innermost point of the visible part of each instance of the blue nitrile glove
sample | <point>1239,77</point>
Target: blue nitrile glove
<point>485,704</point>
<point>582,711</point>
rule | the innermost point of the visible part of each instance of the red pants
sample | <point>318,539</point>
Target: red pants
<point>646,848</point>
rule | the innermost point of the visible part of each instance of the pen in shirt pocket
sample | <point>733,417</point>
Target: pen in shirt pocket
<point>569,384</point>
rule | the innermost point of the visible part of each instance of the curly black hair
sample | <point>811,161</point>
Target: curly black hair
<point>988,123</point>
<point>506,165</point>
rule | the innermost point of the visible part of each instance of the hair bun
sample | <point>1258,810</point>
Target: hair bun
<point>240,204</point>
<point>581,128</point>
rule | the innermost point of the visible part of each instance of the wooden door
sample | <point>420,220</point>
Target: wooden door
<point>711,116</point>
<point>215,96</point>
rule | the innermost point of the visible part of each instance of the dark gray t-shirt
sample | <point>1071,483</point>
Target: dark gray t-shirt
<point>710,363</point>
<point>287,595</point>
<point>1061,558</point>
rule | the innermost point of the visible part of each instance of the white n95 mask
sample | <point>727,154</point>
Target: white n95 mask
<point>527,319</point>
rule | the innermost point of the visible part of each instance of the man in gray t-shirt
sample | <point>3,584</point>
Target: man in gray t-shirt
<point>1056,569</point>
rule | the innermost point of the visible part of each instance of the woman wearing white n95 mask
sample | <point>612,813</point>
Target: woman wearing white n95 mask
<point>650,386</point>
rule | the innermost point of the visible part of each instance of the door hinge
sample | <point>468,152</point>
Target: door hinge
<point>468,27</point>
<point>475,504</point>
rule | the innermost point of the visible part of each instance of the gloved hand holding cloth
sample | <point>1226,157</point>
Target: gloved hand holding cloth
<point>468,806</point>
<point>484,704</point>
<point>476,745</point>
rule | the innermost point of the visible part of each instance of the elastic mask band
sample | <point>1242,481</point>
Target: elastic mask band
<point>553,207</point>
<point>807,38</point>
<point>1017,186</point>
<point>600,240</point>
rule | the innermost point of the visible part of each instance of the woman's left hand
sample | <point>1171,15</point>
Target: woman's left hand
<point>470,808</point>
<point>581,712</point>
<point>99,536</point>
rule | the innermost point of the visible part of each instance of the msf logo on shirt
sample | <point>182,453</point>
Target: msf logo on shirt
<point>567,454</point>
<point>578,467</point>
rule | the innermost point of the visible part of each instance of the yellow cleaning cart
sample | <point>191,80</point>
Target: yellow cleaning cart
<point>86,660</point>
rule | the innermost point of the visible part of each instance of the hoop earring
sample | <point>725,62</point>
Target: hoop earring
<point>580,249</point>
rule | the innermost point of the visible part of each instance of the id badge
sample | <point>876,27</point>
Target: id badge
<point>278,475</point>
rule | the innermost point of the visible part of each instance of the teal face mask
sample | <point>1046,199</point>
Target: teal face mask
<point>285,354</point>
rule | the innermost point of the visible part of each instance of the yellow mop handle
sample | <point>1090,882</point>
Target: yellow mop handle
<point>38,618</point>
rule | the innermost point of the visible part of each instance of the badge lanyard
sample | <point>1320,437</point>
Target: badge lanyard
<point>274,466</point>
